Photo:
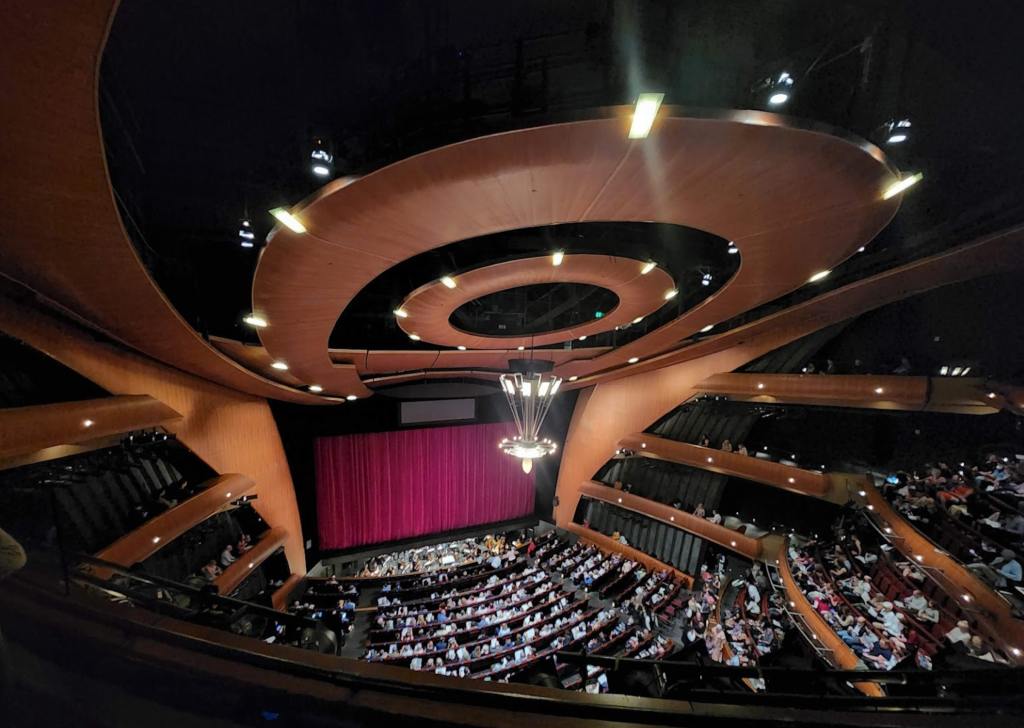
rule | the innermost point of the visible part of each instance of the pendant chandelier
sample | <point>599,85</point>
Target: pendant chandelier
<point>530,396</point>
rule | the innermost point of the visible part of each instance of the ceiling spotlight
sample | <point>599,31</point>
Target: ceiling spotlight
<point>732,248</point>
<point>638,319</point>
<point>776,90</point>
<point>706,279</point>
<point>896,131</point>
<point>671,294</point>
<point>556,259</point>
<point>254,320</point>
<point>414,337</point>
<point>448,281</point>
<point>779,98</point>
<point>88,423</point>
<point>634,360</point>
<point>247,244</point>
<point>583,338</point>
<point>965,371</point>
<point>156,539</point>
<point>321,159</point>
<point>646,109</point>
<point>956,371</point>
<point>461,348</point>
<point>573,378</point>
<point>315,388</point>
<point>280,366</point>
<point>520,348</point>
<point>288,220</point>
<point>401,313</point>
<point>944,371</point>
<point>903,184</point>
<point>820,275</point>
<point>707,328</point>
<point>760,385</point>
<point>648,268</point>
<point>878,390</point>
<point>351,398</point>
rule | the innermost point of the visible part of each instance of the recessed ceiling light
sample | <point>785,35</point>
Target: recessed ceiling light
<point>583,338</point>
<point>279,365</point>
<point>634,360</point>
<point>254,320</point>
<point>88,423</point>
<point>897,187</point>
<point>321,170</point>
<point>521,348</point>
<point>556,259</point>
<point>646,109</point>
<point>760,385</point>
<point>638,319</point>
<point>777,99</point>
<point>671,294</point>
<point>288,220</point>
<point>401,313</point>
<point>250,565</point>
<point>351,398</point>
<point>156,539</point>
<point>819,276</point>
<point>707,328</point>
<point>315,388</point>
<point>247,244</point>
<point>462,348</point>
<point>228,495</point>
<point>414,337</point>
<point>878,390</point>
<point>648,267</point>
<point>573,378</point>
<point>448,281</point>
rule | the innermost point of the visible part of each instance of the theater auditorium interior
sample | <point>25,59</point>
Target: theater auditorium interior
<point>577,364</point>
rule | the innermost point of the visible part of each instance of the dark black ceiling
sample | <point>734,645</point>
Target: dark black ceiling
<point>208,108</point>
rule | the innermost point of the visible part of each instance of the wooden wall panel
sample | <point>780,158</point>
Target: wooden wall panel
<point>232,431</point>
<point>705,529</point>
<point>156,533</point>
<point>27,429</point>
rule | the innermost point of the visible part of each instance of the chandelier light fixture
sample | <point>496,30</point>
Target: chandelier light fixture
<point>530,396</point>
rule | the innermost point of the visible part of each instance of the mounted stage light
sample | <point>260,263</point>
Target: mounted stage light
<point>556,259</point>
<point>254,320</point>
<point>646,110</point>
<point>321,161</point>
<point>648,267</point>
<point>777,91</point>
<point>896,131</point>
<point>706,279</point>
<point>449,282</point>
<point>900,186</point>
<point>288,220</point>
<point>529,397</point>
<point>707,328</point>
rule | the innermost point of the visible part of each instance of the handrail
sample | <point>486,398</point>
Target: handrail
<point>607,543</point>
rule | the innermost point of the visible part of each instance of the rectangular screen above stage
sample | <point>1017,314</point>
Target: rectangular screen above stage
<point>387,486</point>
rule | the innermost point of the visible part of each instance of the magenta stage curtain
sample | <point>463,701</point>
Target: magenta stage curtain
<point>393,485</point>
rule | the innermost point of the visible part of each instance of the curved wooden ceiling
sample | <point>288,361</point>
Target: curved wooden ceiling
<point>430,307</point>
<point>796,201</point>
<point>63,236</point>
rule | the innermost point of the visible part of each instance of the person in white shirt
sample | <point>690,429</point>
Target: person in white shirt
<point>227,558</point>
<point>960,633</point>
<point>916,601</point>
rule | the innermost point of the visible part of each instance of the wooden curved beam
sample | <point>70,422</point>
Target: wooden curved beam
<point>956,580</point>
<point>606,543</point>
<point>429,307</point>
<point>795,480</point>
<point>156,533</point>
<point>705,529</point>
<point>28,429</point>
<point>246,563</point>
<point>64,238</point>
<point>839,654</point>
<point>931,394</point>
<point>279,599</point>
<point>746,177</point>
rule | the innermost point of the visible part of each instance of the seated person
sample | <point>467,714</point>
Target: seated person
<point>227,556</point>
<point>211,571</point>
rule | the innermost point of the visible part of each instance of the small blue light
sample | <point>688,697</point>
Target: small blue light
<point>598,315</point>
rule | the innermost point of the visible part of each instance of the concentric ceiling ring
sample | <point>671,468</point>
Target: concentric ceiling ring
<point>429,308</point>
<point>795,201</point>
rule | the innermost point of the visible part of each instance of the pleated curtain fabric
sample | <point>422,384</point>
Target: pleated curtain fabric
<point>387,486</point>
